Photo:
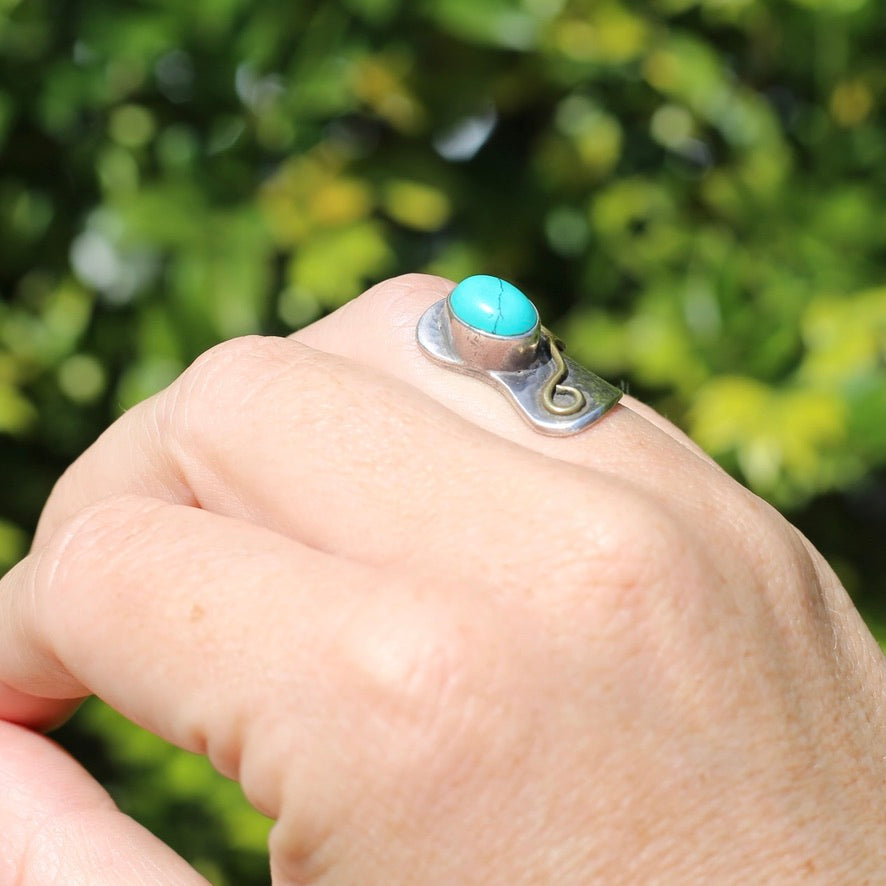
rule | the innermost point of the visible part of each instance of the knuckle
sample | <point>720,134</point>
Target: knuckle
<point>227,366</point>
<point>784,572</point>
<point>79,553</point>
<point>217,364</point>
<point>424,679</point>
<point>407,288</point>
<point>401,298</point>
<point>210,398</point>
<point>77,540</point>
<point>422,692</point>
<point>621,560</point>
<point>638,582</point>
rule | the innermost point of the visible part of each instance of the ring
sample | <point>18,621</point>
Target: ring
<point>487,328</point>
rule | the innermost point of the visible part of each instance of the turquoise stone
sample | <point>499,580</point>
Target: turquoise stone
<point>493,305</point>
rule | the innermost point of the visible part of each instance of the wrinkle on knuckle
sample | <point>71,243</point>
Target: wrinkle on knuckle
<point>210,399</point>
<point>400,300</point>
<point>211,375</point>
<point>425,680</point>
<point>618,558</point>
<point>798,595</point>
<point>769,557</point>
<point>404,289</point>
<point>208,402</point>
<point>82,551</point>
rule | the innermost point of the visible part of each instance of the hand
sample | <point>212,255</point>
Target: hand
<point>438,647</point>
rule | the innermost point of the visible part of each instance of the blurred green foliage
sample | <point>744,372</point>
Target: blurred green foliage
<point>692,190</point>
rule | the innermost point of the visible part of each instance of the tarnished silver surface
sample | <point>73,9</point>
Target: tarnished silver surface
<point>524,387</point>
<point>485,350</point>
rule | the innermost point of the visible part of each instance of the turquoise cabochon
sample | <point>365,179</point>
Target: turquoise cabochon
<point>491,304</point>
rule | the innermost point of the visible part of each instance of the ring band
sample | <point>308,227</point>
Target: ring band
<point>487,328</point>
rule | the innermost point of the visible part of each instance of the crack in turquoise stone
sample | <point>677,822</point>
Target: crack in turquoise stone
<point>491,304</point>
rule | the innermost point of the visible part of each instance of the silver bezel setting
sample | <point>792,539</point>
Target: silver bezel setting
<point>486,350</point>
<point>519,366</point>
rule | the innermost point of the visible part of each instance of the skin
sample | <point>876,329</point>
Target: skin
<point>433,645</point>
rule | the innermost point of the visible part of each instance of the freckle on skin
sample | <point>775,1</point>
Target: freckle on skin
<point>197,612</point>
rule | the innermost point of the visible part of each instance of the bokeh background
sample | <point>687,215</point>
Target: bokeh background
<point>693,191</point>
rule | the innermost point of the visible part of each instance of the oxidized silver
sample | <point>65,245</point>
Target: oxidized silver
<point>554,394</point>
<point>486,350</point>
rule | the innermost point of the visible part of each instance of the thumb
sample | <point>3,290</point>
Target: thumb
<point>60,826</point>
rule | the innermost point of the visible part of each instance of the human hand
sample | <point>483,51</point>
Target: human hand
<point>438,647</point>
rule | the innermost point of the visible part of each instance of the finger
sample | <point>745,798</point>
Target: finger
<point>131,590</point>
<point>230,640</point>
<point>60,826</point>
<point>20,707</point>
<point>632,442</point>
<point>323,450</point>
<point>378,330</point>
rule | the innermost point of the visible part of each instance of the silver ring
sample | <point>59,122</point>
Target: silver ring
<point>487,328</point>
